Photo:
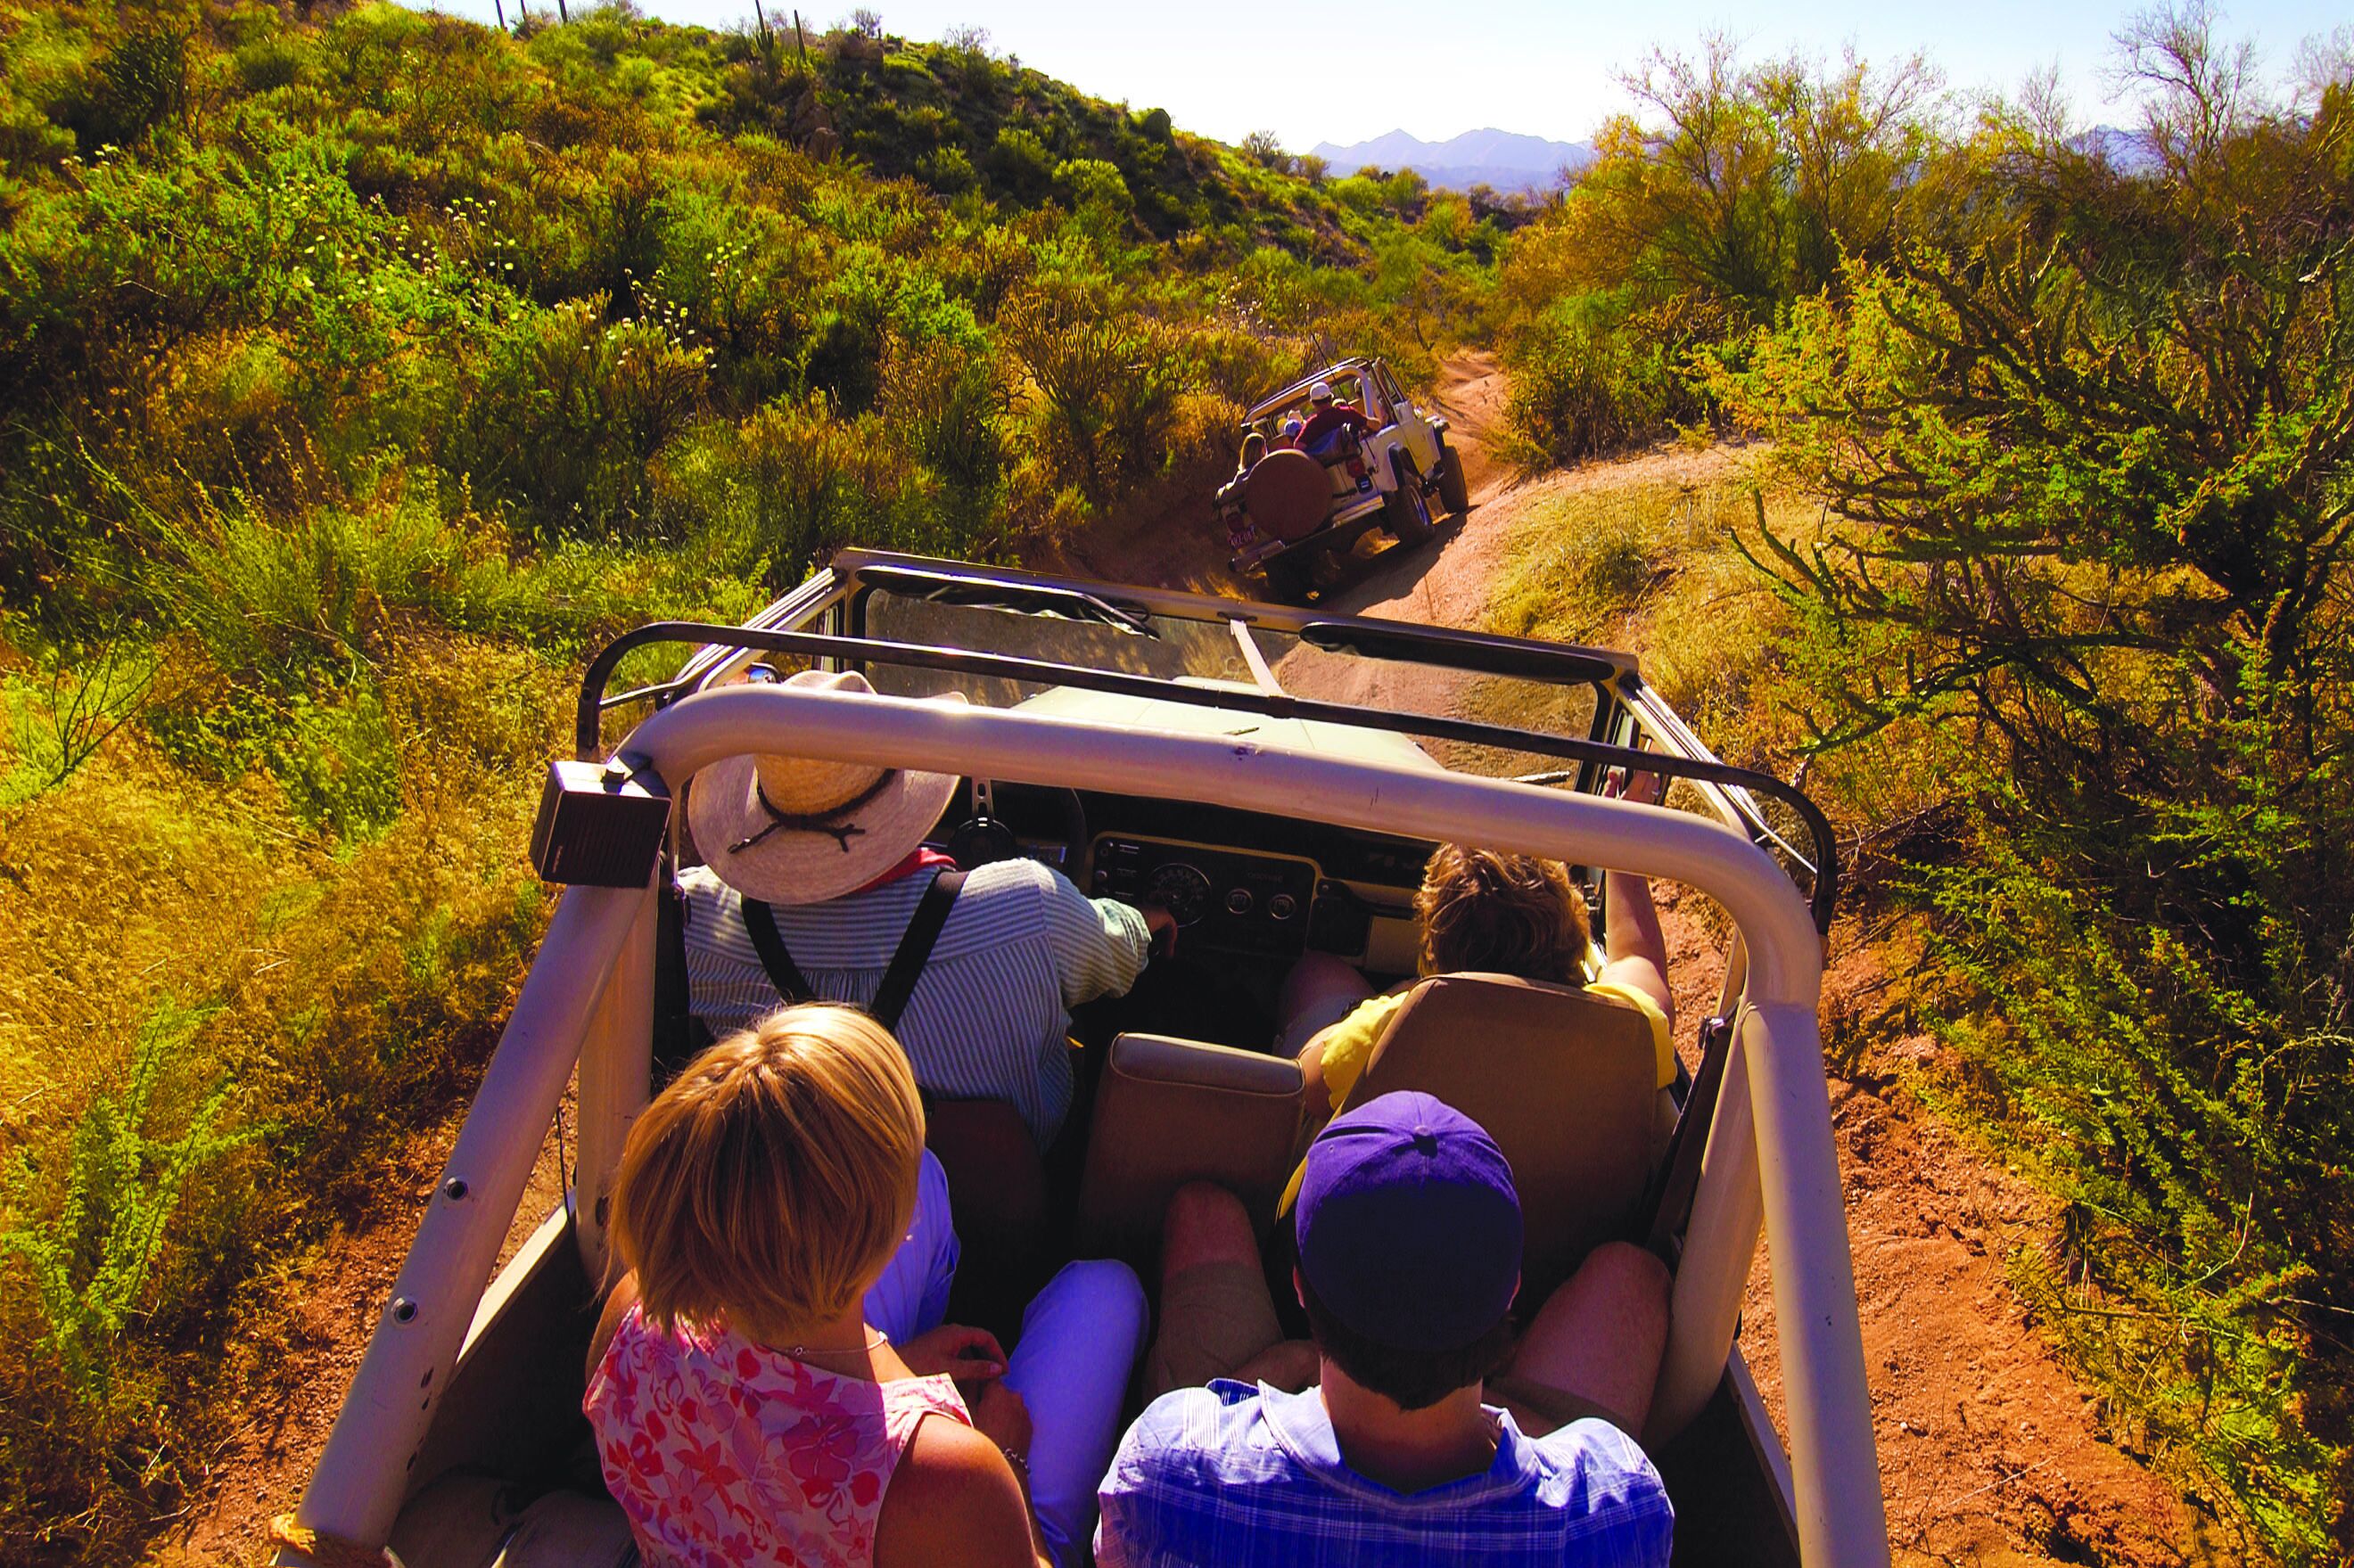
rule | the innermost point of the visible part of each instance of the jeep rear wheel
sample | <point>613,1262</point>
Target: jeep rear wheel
<point>1405,514</point>
<point>1453,490</point>
<point>1287,582</point>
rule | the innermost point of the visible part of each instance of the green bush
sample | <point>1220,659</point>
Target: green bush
<point>135,86</point>
<point>569,411</point>
<point>1590,376</point>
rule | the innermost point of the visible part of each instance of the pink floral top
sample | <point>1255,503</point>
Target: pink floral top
<point>724,1452</point>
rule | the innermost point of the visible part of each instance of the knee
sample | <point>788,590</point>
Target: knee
<point>1110,1285</point>
<point>1204,1224</point>
<point>1630,1274</point>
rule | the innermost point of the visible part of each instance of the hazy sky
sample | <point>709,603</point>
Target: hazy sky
<point>1440,66</point>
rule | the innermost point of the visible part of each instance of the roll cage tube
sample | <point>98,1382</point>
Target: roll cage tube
<point>1821,903</point>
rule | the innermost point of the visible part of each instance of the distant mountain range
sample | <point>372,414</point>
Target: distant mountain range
<point>1511,162</point>
<point>1498,158</point>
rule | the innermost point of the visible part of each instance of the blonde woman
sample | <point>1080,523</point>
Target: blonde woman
<point>771,1382</point>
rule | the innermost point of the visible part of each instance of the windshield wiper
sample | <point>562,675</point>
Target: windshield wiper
<point>1020,598</point>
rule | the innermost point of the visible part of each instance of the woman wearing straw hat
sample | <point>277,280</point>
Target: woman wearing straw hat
<point>823,864</point>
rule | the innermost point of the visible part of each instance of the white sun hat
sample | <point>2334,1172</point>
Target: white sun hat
<point>1320,393</point>
<point>796,830</point>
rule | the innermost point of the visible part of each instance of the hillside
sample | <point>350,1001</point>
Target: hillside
<point>362,370</point>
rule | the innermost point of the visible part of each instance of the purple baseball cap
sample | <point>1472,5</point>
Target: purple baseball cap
<point>1409,1225</point>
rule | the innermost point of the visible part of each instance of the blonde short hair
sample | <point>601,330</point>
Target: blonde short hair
<point>1494,912</point>
<point>775,1175</point>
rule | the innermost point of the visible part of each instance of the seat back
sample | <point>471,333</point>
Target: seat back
<point>1171,1111</point>
<point>1564,1081</point>
<point>997,1192</point>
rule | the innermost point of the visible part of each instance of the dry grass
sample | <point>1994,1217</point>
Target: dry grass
<point>327,998</point>
<point>1656,569</point>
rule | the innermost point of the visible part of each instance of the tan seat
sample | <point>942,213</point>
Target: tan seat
<point>1171,1111</point>
<point>1564,1081</point>
<point>997,1194</point>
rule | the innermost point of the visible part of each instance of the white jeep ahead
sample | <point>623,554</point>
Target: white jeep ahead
<point>1347,451</point>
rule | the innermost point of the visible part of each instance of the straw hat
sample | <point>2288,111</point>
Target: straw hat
<point>795,830</point>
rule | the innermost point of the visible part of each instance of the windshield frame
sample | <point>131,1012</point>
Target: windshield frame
<point>825,619</point>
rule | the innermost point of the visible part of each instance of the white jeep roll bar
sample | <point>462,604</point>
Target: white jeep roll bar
<point>1770,1155</point>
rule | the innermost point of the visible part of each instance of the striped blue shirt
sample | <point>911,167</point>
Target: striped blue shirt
<point>990,1011</point>
<point>1235,1477</point>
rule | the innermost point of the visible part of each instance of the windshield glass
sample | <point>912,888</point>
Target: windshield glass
<point>1204,652</point>
<point>1194,650</point>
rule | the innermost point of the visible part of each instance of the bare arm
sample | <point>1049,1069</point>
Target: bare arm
<point>1634,952</point>
<point>618,1302</point>
<point>954,1501</point>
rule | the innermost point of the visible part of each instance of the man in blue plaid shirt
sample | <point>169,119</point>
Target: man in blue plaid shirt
<point>1409,1232</point>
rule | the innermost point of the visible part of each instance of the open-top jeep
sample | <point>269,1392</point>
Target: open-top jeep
<point>1375,461</point>
<point>1203,752</point>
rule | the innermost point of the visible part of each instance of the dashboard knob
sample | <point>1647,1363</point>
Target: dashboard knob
<point>1238,902</point>
<point>1282,906</point>
<point>1103,879</point>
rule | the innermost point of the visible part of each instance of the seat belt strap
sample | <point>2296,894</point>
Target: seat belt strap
<point>915,950</point>
<point>907,960</point>
<point>1671,1206</point>
<point>783,973</point>
<point>677,1034</point>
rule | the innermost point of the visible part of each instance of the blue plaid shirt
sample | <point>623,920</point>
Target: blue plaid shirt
<point>1235,1477</point>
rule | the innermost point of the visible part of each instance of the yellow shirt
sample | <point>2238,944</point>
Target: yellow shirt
<point>1349,1046</point>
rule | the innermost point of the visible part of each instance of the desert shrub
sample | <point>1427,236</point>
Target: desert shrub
<point>339,763</point>
<point>1101,389</point>
<point>1590,376</point>
<point>1021,162</point>
<point>789,487</point>
<point>569,411</point>
<point>90,1259</point>
<point>267,64</point>
<point>139,83</point>
<point>72,701</point>
<point>2081,514</point>
<point>2193,1126</point>
<point>278,601</point>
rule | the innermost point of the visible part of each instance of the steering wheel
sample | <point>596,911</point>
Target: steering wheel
<point>985,836</point>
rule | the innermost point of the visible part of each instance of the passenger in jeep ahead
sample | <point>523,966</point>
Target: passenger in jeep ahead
<point>1409,1233</point>
<point>1327,419</point>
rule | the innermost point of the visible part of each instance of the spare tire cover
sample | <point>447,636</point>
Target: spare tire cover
<point>1288,495</point>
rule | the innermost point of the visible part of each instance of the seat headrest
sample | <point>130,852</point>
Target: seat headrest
<point>1163,1058</point>
<point>1564,1080</point>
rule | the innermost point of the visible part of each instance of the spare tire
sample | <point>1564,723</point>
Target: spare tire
<point>1288,495</point>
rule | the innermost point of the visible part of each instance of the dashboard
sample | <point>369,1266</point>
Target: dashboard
<point>1225,899</point>
<point>1240,883</point>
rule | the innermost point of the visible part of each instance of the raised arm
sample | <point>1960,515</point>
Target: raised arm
<point>1634,949</point>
